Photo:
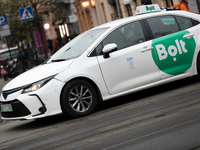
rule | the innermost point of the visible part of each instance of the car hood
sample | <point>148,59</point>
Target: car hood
<point>37,73</point>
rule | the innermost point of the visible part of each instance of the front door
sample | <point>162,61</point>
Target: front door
<point>132,65</point>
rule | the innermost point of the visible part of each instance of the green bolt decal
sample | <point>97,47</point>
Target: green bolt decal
<point>151,8</point>
<point>173,54</point>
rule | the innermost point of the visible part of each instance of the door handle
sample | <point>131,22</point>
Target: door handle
<point>188,35</point>
<point>146,48</point>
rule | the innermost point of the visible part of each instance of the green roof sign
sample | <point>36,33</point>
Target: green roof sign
<point>144,9</point>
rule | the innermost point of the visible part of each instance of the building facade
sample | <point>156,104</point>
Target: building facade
<point>92,13</point>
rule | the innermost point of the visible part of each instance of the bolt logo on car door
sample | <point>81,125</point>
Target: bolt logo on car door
<point>173,54</point>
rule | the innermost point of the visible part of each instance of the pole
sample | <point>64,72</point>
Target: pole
<point>100,14</point>
<point>118,9</point>
<point>33,43</point>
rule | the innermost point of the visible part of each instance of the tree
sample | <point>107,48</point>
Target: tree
<point>17,28</point>
<point>61,9</point>
<point>20,30</point>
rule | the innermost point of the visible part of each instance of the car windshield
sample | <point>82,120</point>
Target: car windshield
<point>77,46</point>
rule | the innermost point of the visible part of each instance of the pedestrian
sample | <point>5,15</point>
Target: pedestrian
<point>60,41</point>
<point>71,36</point>
<point>23,59</point>
<point>4,73</point>
<point>49,43</point>
<point>74,34</point>
<point>34,49</point>
<point>55,44</point>
<point>146,2</point>
<point>67,39</point>
<point>183,5</point>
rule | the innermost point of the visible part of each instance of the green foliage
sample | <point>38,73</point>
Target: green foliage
<point>20,30</point>
<point>60,10</point>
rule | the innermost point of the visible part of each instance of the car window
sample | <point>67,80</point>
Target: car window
<point>195,22</point>
<point>6,55</point>
<point>124,36</point>
<point>77,46</point>
<point>162,25</point>
<point>99,49</point>
<point>184,23</point>
<point>14,53</point>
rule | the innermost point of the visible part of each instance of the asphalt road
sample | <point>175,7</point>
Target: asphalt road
<point>166,117</point>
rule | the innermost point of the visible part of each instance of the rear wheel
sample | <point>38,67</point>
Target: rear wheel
<point>79,98</point>
<point>198,64</point>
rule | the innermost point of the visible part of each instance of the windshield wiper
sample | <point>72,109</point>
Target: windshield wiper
<point>57,60</point>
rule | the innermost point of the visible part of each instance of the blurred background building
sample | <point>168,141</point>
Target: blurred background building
<point>92,13</point>
<point>59,18</point>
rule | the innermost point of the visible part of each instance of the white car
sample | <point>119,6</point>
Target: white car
<point>113,59</point>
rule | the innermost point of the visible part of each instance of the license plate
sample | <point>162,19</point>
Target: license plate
<point>6,108</point>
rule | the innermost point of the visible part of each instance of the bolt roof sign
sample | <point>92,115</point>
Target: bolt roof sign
<point>26,14</point>
<point>3,20</point>
<point>147,9</point>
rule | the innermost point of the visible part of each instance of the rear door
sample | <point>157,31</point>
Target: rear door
<point>174,44</point>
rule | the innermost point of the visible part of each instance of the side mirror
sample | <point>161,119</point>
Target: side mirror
<point>108,49</point>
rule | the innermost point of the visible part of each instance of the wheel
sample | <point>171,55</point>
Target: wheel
<point>79,98</point>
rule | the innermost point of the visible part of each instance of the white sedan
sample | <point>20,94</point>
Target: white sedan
<point>114,59</point>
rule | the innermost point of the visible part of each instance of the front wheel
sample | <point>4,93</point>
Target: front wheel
<point>79,98</point>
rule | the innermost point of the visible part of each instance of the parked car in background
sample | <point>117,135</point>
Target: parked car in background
<point>8,62</point>
<point>8,54</point>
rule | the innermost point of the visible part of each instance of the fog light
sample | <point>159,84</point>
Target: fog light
<point>42,109</point>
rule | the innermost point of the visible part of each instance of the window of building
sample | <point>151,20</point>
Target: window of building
<point>129,11</point>
<point>169,3</point>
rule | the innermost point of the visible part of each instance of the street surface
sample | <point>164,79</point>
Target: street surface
<point>166,117</point>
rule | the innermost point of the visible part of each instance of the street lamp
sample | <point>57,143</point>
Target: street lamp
<point>46,26</point>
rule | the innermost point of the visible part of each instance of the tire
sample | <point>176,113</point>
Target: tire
<point>78,99</point>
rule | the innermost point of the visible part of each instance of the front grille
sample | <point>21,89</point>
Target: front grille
<point>7,92</point>
<point>4,95</point>
<point>19,110</point>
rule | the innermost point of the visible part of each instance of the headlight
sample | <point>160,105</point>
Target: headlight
<point>36,85</point>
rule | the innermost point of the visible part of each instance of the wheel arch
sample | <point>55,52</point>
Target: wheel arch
<point>198,64</point>
<point>99,97</point>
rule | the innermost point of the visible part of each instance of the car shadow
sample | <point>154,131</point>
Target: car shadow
<point>40,123</point>
<point>146,93</point>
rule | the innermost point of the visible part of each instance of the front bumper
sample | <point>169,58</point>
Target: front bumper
<point>37,104</point>
<point>19,110</point>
